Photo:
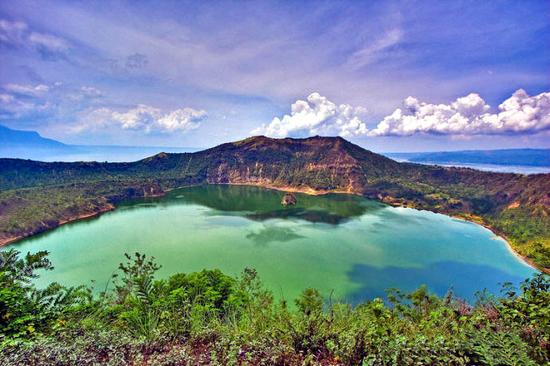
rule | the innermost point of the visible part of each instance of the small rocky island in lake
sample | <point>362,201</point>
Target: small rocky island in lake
<point>289,199</point>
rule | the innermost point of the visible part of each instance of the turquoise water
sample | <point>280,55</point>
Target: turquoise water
<point>341,244</point>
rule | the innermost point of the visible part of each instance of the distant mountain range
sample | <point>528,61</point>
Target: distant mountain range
<point>523,157</point>
<point>30,145</point>
<point>10,138</point>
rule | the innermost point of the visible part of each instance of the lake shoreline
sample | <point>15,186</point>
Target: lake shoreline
<point>304,190</point>
<point>507,243</point>
<point>524,258</point>
<point>14,239</point>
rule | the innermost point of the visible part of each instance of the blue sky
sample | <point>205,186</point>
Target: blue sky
<point>391,76</point>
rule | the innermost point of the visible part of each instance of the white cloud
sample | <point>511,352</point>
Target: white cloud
<point>182,119</point>
<point>138,118</point>
<point>48,41</point>
<point>12,107</point>
<point>522,113</point>
<point>41,101</point>
<point>6,98</point>
<point>12,32</point>
<point>90,91</point>
<point>18,34</point>
<point>468,115</point>
<point>317,116</point>
<point>84,95</point>
<point>376,49</point>
<point>146,118</point>
<point>18,100</point>
<point>87,106</point>
<point>29,90</point>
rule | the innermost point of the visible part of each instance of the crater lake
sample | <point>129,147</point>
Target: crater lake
<point>346,246</point>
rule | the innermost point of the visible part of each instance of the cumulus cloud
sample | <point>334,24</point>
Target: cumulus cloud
<point>182,119</point>
<point>469,115</point>
<point>147,118</point>
<point>317,116</point>
<point>18,34</point>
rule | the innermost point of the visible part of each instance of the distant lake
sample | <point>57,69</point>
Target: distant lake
<point>344,245</point>
<point>521,169</point>
<point>91,153</point>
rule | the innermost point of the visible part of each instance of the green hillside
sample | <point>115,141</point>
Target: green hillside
<point>36,196</point>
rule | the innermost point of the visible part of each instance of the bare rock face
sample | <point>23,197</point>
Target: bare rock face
<point>316,164</point>
<point>289,199</point>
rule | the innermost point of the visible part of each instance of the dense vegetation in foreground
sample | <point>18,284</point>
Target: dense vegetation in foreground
<point>211,318</point>
<point>37,196</point>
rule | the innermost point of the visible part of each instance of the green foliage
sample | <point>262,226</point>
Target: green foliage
<point>145,308</point>
<point>497,348</point>
<point>22,270</point>
<point>529,232</point>
<point>26,311</point>
<point>208,317</point>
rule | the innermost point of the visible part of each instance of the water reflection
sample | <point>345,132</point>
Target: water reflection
<point>466,279</point>
<point>269,234</point>
<point>311,215</point>
<point>260,204</point>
